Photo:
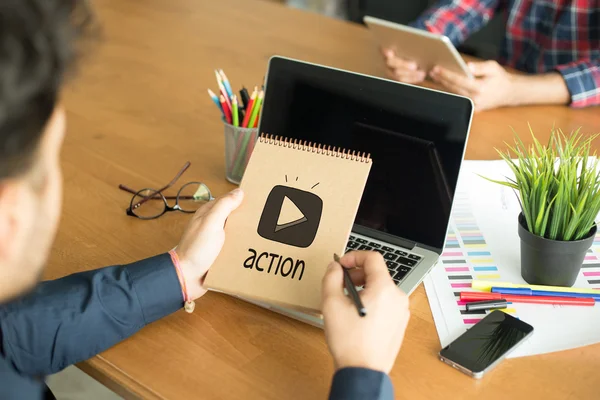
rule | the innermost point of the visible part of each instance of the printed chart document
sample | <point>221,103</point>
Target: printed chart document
<point>483,244</point>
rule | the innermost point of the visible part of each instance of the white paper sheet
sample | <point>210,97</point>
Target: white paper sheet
<point>483,244</point>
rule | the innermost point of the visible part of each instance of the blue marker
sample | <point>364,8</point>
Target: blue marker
<point>530,292</point>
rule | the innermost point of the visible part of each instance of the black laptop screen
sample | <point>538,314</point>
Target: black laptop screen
<point>416,138</point>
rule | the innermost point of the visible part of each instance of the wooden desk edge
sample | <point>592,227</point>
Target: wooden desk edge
<point>115,379</point>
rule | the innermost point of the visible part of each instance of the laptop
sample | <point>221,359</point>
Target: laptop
<point>416,137</point>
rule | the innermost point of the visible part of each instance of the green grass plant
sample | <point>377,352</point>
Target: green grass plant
<point>558,186</point>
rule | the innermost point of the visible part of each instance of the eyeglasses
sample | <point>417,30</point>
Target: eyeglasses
<point>151,203</point>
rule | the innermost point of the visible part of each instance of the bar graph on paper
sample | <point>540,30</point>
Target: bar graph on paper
<point>466,257</point>
<point>482,243</point>
<point>591,266</point>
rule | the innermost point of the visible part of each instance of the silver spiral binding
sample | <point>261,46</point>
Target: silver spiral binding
<point>318,148</point>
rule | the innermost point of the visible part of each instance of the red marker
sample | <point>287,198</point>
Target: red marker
<point>566,301</point>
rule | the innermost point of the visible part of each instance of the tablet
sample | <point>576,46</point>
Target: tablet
<point>426,48</point>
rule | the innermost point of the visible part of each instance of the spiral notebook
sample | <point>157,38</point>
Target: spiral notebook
<point>300,203</point>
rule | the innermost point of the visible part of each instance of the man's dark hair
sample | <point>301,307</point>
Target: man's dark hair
<point>38,46</point>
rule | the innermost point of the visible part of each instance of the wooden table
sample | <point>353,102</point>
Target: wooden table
<point>139,110</point>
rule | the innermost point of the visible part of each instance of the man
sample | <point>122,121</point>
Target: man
<point>46,327</point>
<point>555,42</point>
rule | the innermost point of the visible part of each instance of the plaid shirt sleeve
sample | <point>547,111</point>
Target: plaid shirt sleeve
<point>457,19</point>
<point>583,80</point>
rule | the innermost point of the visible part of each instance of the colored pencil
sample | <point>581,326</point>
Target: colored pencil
<point>224,94</point>
<point>251,144</point>
<point>234,110</point>
<point>257,119</point>
<point>219,78</point>
<point>226,109</point>
<point>240,139</point>
<point>573,301</point>
<point>222,88</point>
<point>249,109</point>
<point>226,83</point>
<point>255,109</point>
<point>243,153</point>
<point>215,99</point>
<point>241,111</point>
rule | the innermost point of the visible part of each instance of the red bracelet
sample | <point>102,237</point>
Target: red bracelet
<point>189,304</point>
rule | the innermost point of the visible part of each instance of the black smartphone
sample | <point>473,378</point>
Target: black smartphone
<point>488,342</point>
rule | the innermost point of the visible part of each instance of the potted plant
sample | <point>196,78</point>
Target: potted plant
<point>559,192</point>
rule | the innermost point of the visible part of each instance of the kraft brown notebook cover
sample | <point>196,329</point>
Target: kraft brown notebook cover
<point>300,203</point>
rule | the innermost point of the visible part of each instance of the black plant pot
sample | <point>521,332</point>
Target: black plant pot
<point>551,262</point>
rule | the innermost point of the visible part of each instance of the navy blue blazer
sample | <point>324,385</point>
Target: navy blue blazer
<point>69,320</point>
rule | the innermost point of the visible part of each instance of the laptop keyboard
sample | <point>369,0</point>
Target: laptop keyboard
<point>399,262</point>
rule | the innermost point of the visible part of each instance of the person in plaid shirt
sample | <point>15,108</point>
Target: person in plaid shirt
<point>555,42</point>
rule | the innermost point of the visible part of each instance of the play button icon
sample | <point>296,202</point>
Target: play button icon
<point>291,216</point>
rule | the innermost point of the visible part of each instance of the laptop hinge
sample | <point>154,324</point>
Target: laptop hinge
<point>395,240</point>
<point>407,244</point>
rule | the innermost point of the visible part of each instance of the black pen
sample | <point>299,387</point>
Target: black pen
<point>362,311</point>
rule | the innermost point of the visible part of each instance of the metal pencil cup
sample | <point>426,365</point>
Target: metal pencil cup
<point>239,143</point>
